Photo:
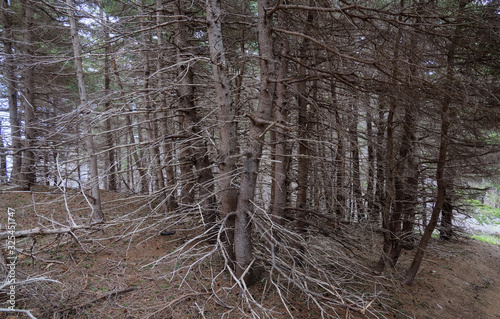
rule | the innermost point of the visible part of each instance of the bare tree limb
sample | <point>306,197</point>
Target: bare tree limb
<point>38,231</point>
<point>113,293</point>
<point>27,312</point>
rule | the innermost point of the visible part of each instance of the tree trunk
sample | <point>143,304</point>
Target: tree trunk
<point>143,154</point>
<point>380,155</point>
<point>243,229</point>
<point>3,158</point>
<point>111,167</point>
<point>135,152</point>
<point>371,165</point>
<point>279,187</point>
<point>443,148</point>
<point>387,225</point>
<point>356,178</point>
<point>193,151</point>
<point>410,204</point>
<point>97,214</point>
<point>303,134</point>
<point>226,118</point>
<point>446,120</point>
<point>446,227</point>
<point>303,152</point>
<point>187,110</point>
<point>340,170</point>
<point>10,77</point>
<point>28,174</point>
<point>170,202</point>
<point>401,189</point>
<point>389,190</point>
<point>158,181</point>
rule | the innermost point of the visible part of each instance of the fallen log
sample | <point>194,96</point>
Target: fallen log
<point>39,231</point>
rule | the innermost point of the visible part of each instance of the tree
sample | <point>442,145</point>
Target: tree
<point>12,91</point>
<point>276,143</point>
<point>86,111</point>
<point>28,162</point>
<point>253,152</point>
<point>226,116</point>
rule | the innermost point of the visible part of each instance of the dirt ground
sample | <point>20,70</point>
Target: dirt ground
<point>459,279</point>
<point>104,274</point>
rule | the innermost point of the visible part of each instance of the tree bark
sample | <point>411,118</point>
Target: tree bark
<point>280,185</point>
<point>226,161</point>
<point>84,107</point>
<point>446,121</point>
<point>380,155</point>
<point>443,148</point>
<point>193,151</point>
<point>340,203</point>
<point>387,224</point>
<point>339,161</point>
<point>3,158</point>
<point>187,109</point>
<point>389,190</point>
<point>28,170</point>
<point>111,167</point>
<point>401,188</point>
<point>158,181</point>
<point>303,150</point>
<point>135,153</point>
<point>446,227</point>
<point>356,176</point>
<point>170,202</point>
<point>243,229</point>
<point>10,76</point>
<point>371,166</point>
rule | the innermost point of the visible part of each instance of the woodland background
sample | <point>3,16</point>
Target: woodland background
<point>269,129</point>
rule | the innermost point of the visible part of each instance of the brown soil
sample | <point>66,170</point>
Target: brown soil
<point>459,279</point>
<point>103,275</point>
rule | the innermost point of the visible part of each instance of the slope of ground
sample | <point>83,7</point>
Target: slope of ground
<point>105,274</point>
<point>458,279</point>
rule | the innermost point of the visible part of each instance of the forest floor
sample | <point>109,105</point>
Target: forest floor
<point>104,274</point>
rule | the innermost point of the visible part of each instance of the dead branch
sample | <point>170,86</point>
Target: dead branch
<point>262,122</point>
<point>106,296</point>
<point>176,300</point>
<point>27,312</point>
<point>38,231</point>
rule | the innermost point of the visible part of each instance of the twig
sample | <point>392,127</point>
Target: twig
<point>18,310</point>
<point>176,300</point>
<point>113,293</point>
<point>258,121</point>
<point>368,306</point>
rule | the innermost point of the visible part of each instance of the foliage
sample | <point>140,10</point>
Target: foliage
<point>487,238</point>
<point>484,214</point>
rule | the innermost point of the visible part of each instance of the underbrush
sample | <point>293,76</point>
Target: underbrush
<point>124,268</point>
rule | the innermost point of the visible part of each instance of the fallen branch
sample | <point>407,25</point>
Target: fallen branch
<point>38,231</point>
<point>106,296</point>
<point>27,312</point>
<point>176,300</point>
<point>7,283</point>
